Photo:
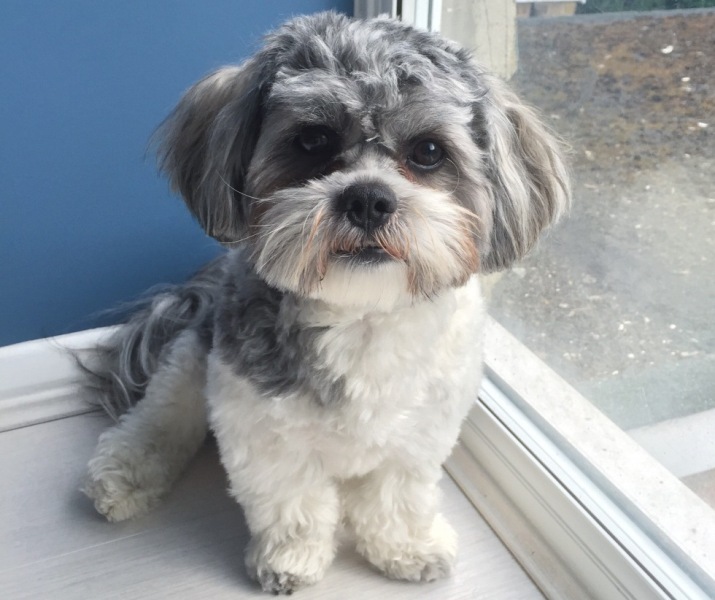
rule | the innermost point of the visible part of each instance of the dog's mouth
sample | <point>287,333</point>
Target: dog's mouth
<point>371,254</point>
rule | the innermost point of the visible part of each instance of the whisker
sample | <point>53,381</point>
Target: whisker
<point>275,231</point>
<point>316,224</point>
<point>427,226</point>
<point>456,168</point>
<point>241,240</point>
<point>308,216</point>
<point>473,220</point>
<point>233,189</point>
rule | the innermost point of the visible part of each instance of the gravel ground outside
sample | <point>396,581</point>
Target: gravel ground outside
<point>620,298</point>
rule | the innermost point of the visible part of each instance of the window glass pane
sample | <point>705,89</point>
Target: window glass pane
<point>620,298</point>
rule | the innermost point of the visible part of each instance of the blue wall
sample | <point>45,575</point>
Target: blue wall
<point>85,222</point>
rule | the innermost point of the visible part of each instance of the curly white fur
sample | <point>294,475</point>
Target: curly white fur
<point>296,467</point>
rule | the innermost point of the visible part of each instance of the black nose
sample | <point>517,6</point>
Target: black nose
<point>367,205</point>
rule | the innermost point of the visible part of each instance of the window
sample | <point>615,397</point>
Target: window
<point>618,301</point>
<point>592,447</point>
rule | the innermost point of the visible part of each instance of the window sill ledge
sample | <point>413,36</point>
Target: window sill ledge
<point>56,546</point>
<point>586,510</point>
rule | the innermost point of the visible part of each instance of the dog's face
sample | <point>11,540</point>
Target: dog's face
<point>364,162</point>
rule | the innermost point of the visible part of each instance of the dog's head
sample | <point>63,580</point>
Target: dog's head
<point>363,162</point>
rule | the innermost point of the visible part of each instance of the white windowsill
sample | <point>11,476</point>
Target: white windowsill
<point>56,546</point>
<point>586,510</point>
<point>520,462</point>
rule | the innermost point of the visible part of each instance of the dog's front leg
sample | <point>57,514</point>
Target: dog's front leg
<point>137,460</point>
<point>393,511</point>
<point>293,535</point>
<point>291,507</point>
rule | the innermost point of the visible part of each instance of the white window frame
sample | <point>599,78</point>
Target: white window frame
<point>425,14</point>
<point>586,511</point>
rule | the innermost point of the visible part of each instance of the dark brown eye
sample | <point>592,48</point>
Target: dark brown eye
<point>316,140</point>
<point>427,154</point>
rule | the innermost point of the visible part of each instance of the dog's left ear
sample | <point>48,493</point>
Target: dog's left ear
<point>528,179</point>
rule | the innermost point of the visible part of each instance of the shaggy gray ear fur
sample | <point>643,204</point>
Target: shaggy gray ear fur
<point>206,144</point>
<point>530,182</point>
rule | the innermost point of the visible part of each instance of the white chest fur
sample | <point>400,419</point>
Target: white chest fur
<point>407,377</point>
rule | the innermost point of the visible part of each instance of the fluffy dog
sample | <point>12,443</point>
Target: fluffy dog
<point>362,175</point>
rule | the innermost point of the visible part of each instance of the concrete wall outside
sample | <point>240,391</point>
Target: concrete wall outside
<point>487,27</point>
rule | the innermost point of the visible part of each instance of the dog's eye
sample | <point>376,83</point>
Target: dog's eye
<point>427,154</point>
<point>316,140</point>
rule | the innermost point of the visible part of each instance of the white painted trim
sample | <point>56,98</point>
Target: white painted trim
<point>600,508</point>
<point>425,14</point>
<point>37,379</point>
<point>500,508</point>
<point>586,546</point>
<point>587,511</point>
<point>557,543</point>
<point>367,9</point>
<point>546,1</point>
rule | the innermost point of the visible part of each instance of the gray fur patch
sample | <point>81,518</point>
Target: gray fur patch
<point>258,334</point>
<point>116,375</point>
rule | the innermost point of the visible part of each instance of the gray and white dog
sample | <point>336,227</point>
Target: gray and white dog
<point>362,174</point>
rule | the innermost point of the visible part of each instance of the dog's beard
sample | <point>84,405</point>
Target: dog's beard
<point>302,244</point>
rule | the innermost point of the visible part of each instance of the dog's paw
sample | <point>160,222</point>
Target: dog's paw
<point>123,487</point>
<point>116,498</point>
<point>282,567</point>
<point>413,566</point>
<point>426,559</point>
<point>280,583</point>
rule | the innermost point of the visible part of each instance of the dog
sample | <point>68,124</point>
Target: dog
<point>362,174</point>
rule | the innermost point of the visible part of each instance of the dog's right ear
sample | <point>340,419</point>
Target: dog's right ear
<point>206,144</point>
